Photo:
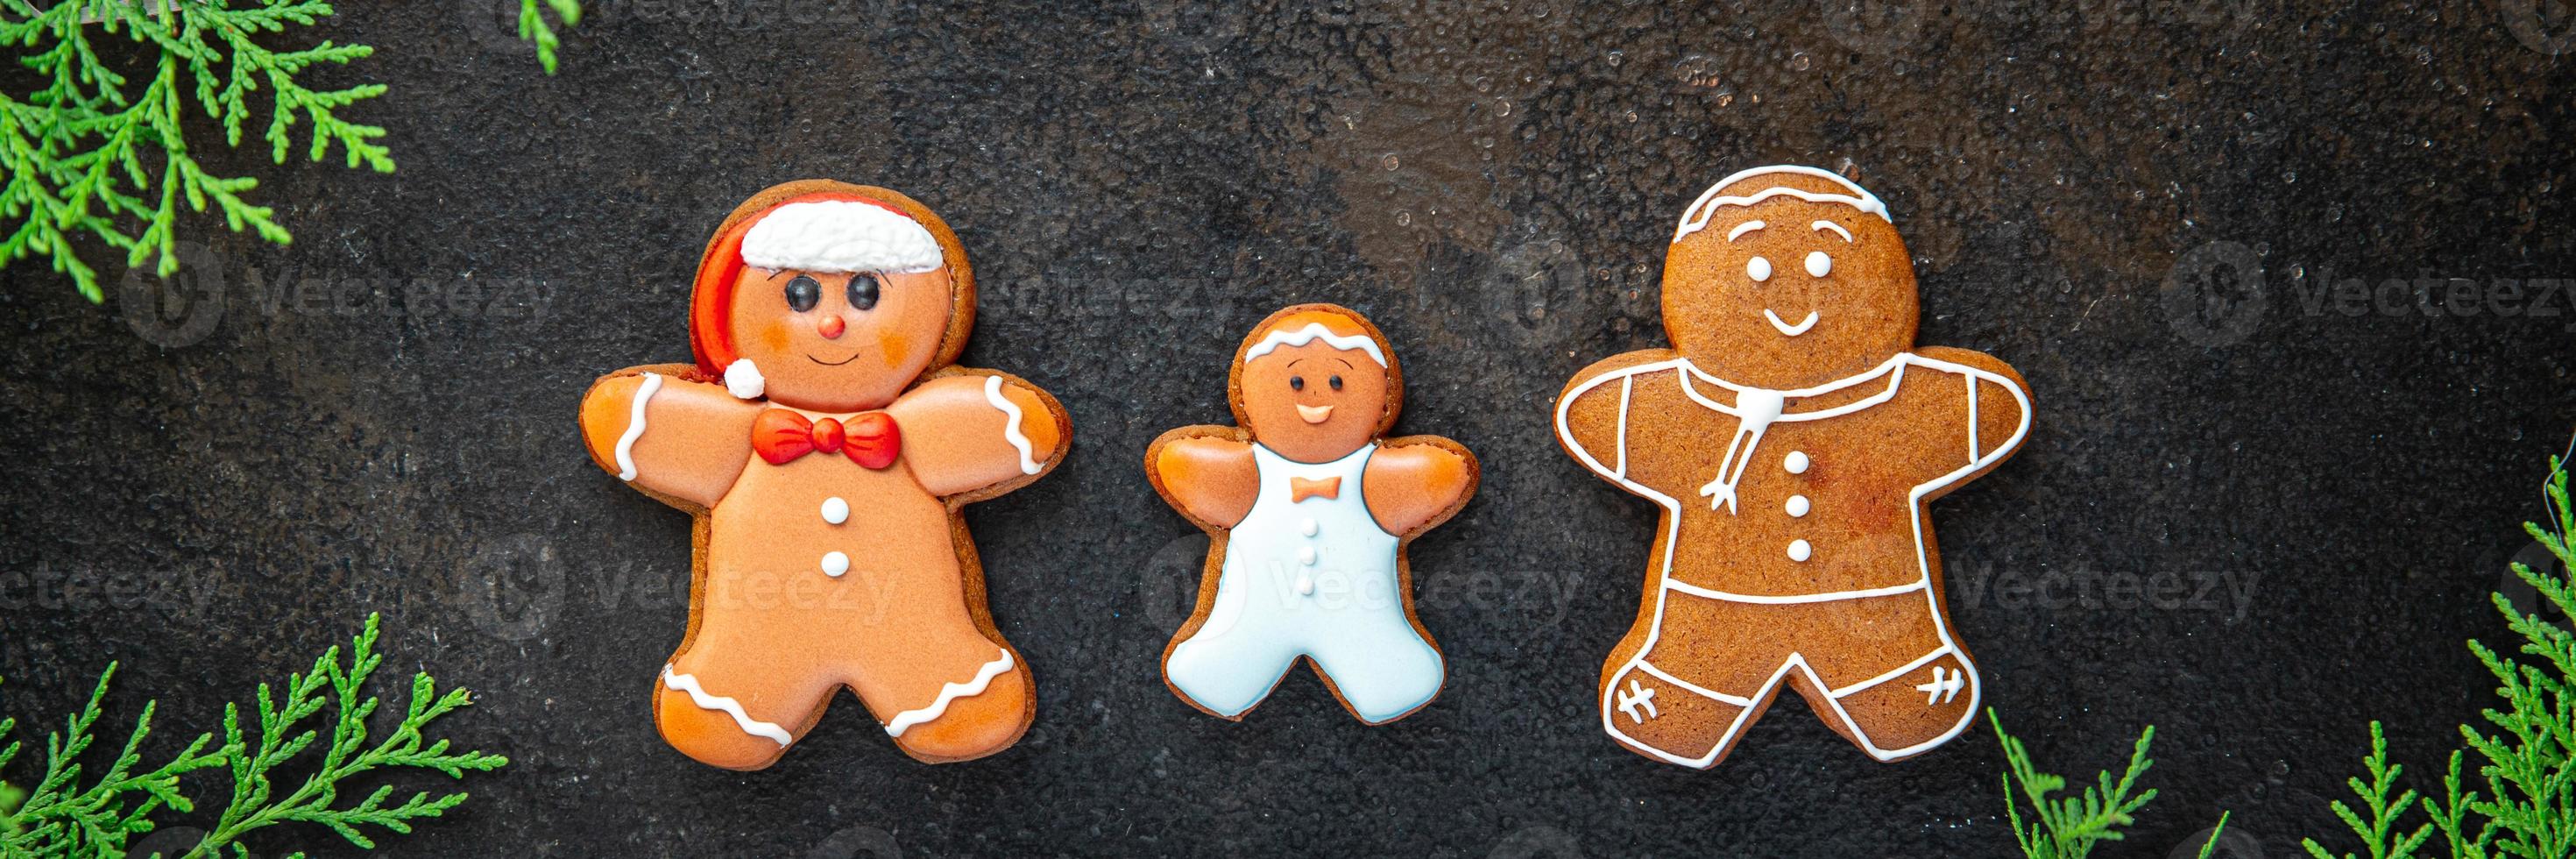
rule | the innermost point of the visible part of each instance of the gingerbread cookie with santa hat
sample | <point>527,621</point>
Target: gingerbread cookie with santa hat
<point>1794,435</point>
<point>825,444</point>
<point>1309,508</point>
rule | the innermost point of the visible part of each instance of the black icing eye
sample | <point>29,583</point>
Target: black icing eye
<point>1296,383</point>
<point>803,293</point>
<point>1337,382</point>
<point>863,291</point>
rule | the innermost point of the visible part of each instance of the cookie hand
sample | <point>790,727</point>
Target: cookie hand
<point>665,435</point>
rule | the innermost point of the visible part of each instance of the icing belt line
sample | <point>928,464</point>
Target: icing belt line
<point>755,727</point>
<point>905,720</point>
<point>1011,431</point>
<point>635,427</point>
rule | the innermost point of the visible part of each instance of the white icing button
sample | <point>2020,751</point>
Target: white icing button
<point>1306,556</point>
<point>1308,527</point>
<point>834,564</point>
<point>1305,585</point>
<point>1796,463</point>
<point>1818,264</point>
<point>835,510</point>
<point>1758,269</point>
<point>1800,551</point>
<point>1797,505</point>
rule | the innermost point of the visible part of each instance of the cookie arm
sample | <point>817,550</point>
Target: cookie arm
<point>1205,473</point>
<point>1414,483</point>
<point>1592,415</point>
<point>666,435</point>
<point>978,430</point>
<point>1997,413</point>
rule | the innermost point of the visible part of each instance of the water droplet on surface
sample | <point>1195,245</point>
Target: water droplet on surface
<point>1389,161</point>
<point>1801,62</point>
<point>1403,218</point>
<point>1617,57</point>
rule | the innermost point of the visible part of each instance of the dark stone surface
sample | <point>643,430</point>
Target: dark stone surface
<point>1491,183</point>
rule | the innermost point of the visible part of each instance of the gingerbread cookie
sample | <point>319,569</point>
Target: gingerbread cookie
<point>1309,508</point>
<point>825,445</point>
<point>1793,436</point>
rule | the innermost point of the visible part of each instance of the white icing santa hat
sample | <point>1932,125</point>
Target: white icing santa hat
<point>1696,217</point>
<point>840,237</point>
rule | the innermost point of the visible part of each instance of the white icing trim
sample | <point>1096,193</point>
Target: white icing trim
<point>1759,269</point>
<point>1787,329</point>
<point>840,237</point>
<point>983,678</point>
<point>1831,227</point>
<point>1011,431</point>
<point>1741,229</point>
<point>1819,263</point>
<point>698,694</point>
<point>1695,217</point>
<point>635,427</point>
<point>1309,334</point>
<point>1894,369</point>
<point>743,380</point>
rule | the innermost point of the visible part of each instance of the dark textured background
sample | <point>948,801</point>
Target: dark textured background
<point>380,417</point>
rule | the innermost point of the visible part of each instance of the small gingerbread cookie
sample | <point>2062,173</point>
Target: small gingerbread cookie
<point>1309,508</point>
<point>825,445</point>
<point>1793,436</point>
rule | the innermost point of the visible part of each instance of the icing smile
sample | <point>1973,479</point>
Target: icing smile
<point>1315,414</point>
<point>1787,329</point>
<point>855,356</point>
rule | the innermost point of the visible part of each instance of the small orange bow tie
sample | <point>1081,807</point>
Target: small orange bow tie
<point>1300,489</point>
<point>871,440</point>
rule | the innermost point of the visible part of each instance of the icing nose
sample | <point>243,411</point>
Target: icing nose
<point>831,327</point>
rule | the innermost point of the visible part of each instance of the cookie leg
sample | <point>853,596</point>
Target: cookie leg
<point>981,712</point>
<point>1227,671</point>
<point>726,718</point>
<point>1908,711</point>
<point>1666,718</point>
<point>1383,674</point>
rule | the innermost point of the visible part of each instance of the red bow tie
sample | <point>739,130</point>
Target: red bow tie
<point>781,435</point>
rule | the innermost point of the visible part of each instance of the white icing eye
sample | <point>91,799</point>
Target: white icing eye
<point>1758,269</point>
<point>1818,264</point>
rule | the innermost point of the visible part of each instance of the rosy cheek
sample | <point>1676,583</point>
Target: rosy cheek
<point>895,347</point>
<point>774,336</point>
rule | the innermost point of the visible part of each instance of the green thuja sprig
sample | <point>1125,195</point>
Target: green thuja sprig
<point>2380,834</point>
<point>98,148</point>
<point>2521,801</point>
<point>2070,827</point>
<point>533,27</point>
<point>66,816</point>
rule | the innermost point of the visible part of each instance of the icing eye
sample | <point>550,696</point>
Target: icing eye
<point>1818,264</point>
<point>1296,383</point>
<point>1758,269</point>
<point>1337,382</point>
<point>863,290</point>
<point>803,293</point>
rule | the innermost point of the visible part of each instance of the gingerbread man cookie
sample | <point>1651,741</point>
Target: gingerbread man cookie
<point>1309,508</point>
<point>826,444</point>
<point>1793,436</point>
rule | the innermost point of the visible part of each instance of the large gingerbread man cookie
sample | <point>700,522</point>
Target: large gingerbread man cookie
<point>1309,508</point>
<point>825,445</point>
<point>1793,435</point>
